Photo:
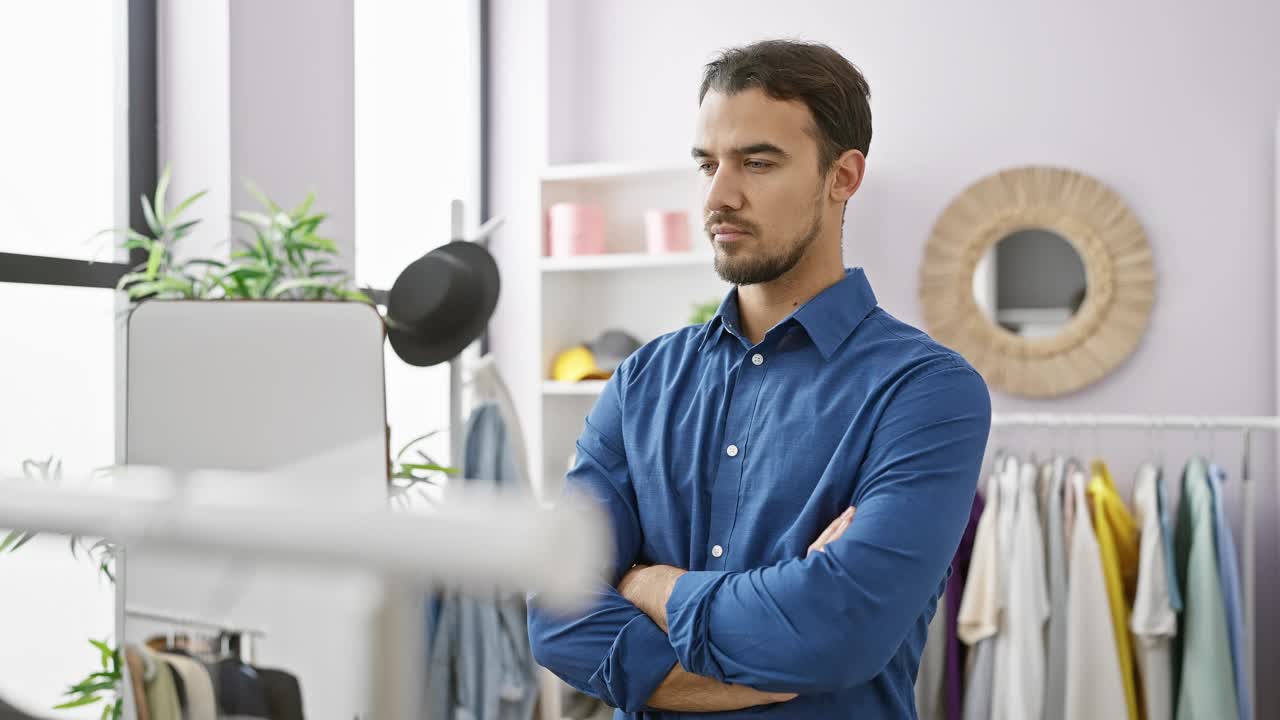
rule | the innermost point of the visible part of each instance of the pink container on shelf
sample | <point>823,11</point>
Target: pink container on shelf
<point>574,229</point>
<point>666,231</point>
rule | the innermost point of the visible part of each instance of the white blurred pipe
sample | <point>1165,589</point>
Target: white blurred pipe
<point>474,540</point>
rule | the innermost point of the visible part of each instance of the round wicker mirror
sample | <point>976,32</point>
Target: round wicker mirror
<point>1041,277</point>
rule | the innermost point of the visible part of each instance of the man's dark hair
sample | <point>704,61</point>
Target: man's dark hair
<point>834,90</point>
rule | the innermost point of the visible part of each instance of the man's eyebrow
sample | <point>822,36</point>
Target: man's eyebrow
<point>761,148</point>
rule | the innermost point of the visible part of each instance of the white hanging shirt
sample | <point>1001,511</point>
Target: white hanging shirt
<point>1154,623</point>
<point>978,617</point>
<point>1020,646</point>
<point>1095,688</point>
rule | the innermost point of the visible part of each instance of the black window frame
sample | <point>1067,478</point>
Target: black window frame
<point>143,139</point>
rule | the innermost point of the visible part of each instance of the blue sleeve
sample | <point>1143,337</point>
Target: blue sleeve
<point>834,619</point>
<point>609,649</point>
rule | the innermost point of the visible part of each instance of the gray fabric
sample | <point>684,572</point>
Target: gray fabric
<point>480,666</point>
<point>982,677</point>
<point>1055,701</point>
<point>931,698</point>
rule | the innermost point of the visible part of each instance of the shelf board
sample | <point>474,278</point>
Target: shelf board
<point>625,261</point>
<point>584,388</point>
<point>612,171</point>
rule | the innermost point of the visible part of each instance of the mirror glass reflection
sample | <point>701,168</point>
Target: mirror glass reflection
<point>1031,283</point>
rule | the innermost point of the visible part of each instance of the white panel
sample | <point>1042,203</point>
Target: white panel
<point>256,386</point>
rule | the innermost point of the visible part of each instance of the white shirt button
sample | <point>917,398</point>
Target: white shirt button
<point>757,359</point>
<point>732,450</point>
<point>717,551</point>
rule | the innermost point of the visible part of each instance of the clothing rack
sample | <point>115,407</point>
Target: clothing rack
<point>1198,423</point>
<point>175,619</point>
<point>242,640</point>
<point>473,540</point>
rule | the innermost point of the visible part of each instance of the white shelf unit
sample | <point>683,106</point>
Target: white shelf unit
<point>646,295</point>
<point>626,261</point>
<point>586,388</point>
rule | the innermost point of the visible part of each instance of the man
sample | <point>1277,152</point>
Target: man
<point>730,456</point>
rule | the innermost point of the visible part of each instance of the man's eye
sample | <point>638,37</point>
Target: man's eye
<point>705,167</point>
<point>757,164</point>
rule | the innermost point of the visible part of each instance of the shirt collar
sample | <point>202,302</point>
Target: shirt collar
<point>829,318</point>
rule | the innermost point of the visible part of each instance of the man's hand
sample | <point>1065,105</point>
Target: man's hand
<point>648,587</point>
<point>833,531</point>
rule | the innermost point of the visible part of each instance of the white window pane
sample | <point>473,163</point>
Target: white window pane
<point>57,394</point>
<point>57,131</point>
<point>417,145</point>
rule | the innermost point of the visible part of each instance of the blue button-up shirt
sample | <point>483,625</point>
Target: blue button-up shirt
<point>728,459</point>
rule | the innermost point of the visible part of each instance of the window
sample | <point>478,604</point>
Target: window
<point>78,140</point>
<point>417,147</point>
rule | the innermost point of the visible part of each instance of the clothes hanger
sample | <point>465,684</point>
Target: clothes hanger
<point>1244,460</point>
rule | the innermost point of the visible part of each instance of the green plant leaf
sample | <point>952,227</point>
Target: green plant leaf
<point>253,219</point>
<point>154,259</point>
<point>182,206</point>
<point>353,295</point>
<point>91,687</point>
<point>261,196</point>
<point>285,286</point>
<point>182,230</point>
<point>79,702</point>
<point>162,186</point>
<point>205,261</point>
<point>25,539</point>
<point>305,207</point>
<point>150,216</point>
<point>128,278</point>
<point>429,467</point>
<point>168,285</point>
<point>11,538</point>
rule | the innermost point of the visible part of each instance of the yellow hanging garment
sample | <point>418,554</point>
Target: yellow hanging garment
<point>1118,543</point>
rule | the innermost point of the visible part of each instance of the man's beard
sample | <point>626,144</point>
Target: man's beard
<point>748,270</point>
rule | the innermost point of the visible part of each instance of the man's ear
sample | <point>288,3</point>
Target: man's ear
<point>848,170</point>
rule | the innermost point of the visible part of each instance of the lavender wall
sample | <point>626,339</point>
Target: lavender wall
<point>1172,106</point>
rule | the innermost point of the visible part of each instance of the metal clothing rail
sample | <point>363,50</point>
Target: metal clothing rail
<point>243,640</point>
<point>1199,423</point>
<point>184,621</point>
<point>1150,422</point>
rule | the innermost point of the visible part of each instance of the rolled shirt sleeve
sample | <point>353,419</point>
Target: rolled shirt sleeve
<point>608,649</point>
<point>834,619</point>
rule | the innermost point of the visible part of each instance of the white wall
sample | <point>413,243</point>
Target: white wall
<point>1173,105</point>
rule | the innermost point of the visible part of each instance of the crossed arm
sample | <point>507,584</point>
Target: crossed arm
<point>649,588</point>
<point>663,638</point>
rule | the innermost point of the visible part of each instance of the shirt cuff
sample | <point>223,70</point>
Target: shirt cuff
<point>688,628</point>
<point>638,661</point>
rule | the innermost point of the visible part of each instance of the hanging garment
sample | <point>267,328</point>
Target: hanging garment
<point>1055,698</point>
<point>137,679</point>
<point>1229,576</point>
<point>1069,502</point>
<point>1202,650</point>
<point>1020,650</point>
<point>239,689</point>
<point>284,694</point>
<point>955,591</point>
<point>1007,520</point>
<point>197,687</point>
<point>480,663</point>
<point>1095,686</point>
<point>978,618</point>
<point>1117,534</point>
<point>1154,622</point>
<point>161,692</point>
<point>1166,534</point>
<point>931,699</point>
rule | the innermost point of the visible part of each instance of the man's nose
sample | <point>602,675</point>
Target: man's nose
<point>724,192</point>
